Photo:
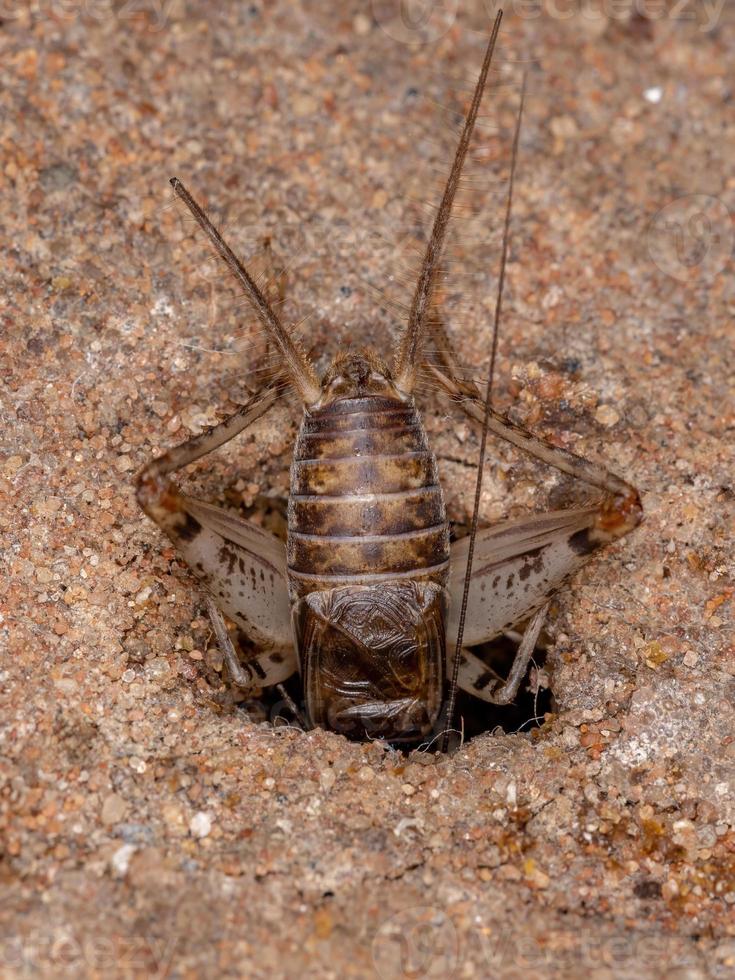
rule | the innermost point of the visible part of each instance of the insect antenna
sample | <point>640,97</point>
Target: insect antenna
<point>300,369</point>
<point>409,351</point>
<point>452,703</point>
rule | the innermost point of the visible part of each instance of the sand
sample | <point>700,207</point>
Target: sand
<point>149,827</point>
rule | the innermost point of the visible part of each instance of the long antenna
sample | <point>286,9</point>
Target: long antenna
<point>409,351</point>
<point>483,441</point>
<point>298,366</point>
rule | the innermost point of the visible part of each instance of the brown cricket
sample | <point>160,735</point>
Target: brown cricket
<point>367,593</point>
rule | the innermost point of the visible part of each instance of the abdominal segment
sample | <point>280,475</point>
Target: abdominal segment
<point>365,500</point>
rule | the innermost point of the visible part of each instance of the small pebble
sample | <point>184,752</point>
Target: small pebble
<point>607,415</point>
<point>564,127</point>
<point>113,809</point>
<point>327,779</point>
<point>120,860</point>
<point>200,824</point>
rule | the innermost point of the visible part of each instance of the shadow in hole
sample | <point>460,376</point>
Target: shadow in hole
<point>524,713</point>
<point>478,717</point>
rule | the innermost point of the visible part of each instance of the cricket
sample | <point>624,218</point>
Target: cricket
<point>368,602</point>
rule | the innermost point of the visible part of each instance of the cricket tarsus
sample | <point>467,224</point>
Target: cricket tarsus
<point>241,675</point>
<point>300,369</point>
<point>292,707</point>
<point>410,350</point>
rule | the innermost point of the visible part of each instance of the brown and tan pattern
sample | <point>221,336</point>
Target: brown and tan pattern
<point>151,825</point>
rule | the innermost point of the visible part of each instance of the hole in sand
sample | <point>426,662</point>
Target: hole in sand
<point>534,699</point>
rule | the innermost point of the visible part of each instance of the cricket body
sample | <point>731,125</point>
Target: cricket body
<point>368,593</point>
<point>368,558</point>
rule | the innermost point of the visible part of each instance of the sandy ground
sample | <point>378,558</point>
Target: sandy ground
<point>148,827</point>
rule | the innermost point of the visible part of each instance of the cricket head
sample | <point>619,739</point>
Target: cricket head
<point>357,374</point>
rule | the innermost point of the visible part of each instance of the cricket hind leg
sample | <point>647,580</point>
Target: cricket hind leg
<point>269,669</point>
<point>520,564</point>
<point>478,679</point>
<point>620,510</point>
<point>242,566</point>
<point>265,670</point>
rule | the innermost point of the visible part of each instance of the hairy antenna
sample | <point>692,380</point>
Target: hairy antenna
<point>483,441</point>
<point>299,368</point>
<point>410,349</point>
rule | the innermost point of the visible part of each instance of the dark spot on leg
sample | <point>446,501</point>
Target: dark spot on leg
<point>229,557</point>
<point>483,680</point>
<point>276,658</point>
<point>580,542</point>
<point>257,669</point>
<point>189,528</point>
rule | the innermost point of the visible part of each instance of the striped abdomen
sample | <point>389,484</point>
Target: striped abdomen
<point>365,498</point>
<point>368,561</point>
